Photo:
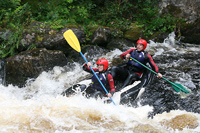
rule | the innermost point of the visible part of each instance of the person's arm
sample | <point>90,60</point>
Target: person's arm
<point>87,68</point>
<point>111,84</point>
<point>153,65</point>
<point>123,56</point>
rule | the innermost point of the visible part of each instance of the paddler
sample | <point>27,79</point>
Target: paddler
<point>104,76</point>
<point>132,70</point>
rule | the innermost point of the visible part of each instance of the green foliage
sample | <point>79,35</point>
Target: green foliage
<point>14,20</point>
<point>9,4</point>
<point>151,20</point>
<point>62,11</point>
<point>57,24</point>
<point>115,14</point>
<point>15,15</point>
<point>32,46</point>
<point>9,46</point>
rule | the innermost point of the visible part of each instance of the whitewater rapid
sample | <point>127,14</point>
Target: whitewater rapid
<point>39,107</point>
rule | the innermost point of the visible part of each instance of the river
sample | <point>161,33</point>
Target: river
<point>39,107</point>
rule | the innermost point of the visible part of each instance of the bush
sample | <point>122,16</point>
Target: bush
<point>15,15</point>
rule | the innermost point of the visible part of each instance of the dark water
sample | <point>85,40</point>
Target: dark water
<point>179,63</point>
<point>183,68</point>
<point>39,107</point>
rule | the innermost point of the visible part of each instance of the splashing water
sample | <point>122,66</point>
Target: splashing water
<point>39,107</point>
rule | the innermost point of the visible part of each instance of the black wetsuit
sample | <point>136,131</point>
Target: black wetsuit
<point>131,71</point>
<point>105,78</point>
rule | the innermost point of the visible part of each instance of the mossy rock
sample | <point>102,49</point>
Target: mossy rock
<point>173,10</point>
<point>190,32</point>
<point>159,36</point>
<point>134,32</point>
<point>30,64</point>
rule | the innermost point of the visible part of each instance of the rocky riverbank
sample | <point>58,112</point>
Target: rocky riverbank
<point>51,49</point>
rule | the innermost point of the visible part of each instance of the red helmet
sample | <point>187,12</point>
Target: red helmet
<point>142,41</point>
<point>103,62</point>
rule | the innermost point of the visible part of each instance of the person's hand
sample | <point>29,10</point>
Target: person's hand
<point>128,56</point>
<point>89,64</point>
<point>159,75</point>
<point>109,95</point>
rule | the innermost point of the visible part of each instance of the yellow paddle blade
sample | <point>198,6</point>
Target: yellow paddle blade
<point>72,40</point>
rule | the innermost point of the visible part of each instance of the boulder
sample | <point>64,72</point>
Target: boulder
<point>30,64</point>
<point>101,36</point>
<point>134,33</point>
<point>121,44</point>
<point>190,32</point>
<point>43,36</point>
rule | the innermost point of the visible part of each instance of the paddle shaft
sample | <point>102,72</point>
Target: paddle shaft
<point>96,76</point>
<point>154,72</point>
<point>74,43</point>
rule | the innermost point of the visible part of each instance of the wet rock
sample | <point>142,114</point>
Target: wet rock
<point>43,36</point>
<point>93,52</point>
<point>134,33</point>
<point>101,36</point>
<point>121,44</point>
<point>57,41</point>
<point>186,9</point>
<point>187,32</point>
<point>30,64</point>
<point>190,32</point>
<point>159,36</point>
<point>2,71</point>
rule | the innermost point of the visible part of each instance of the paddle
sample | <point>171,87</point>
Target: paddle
<point>74,43</point>
<point>176,86</point>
